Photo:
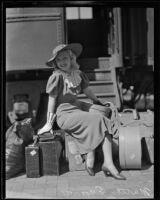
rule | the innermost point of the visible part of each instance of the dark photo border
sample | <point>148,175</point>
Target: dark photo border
<point>155,4</point>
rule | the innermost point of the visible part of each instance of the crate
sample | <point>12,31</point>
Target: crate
<point>50,156</point>
<point>32,161</point>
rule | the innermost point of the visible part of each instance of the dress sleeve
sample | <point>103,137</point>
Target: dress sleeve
<point>85,80</point>
<point>53,84</point>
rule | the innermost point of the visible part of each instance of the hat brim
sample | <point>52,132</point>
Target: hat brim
<point>76,48</point>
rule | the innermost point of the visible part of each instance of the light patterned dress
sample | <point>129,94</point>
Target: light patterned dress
<point>89,129</point>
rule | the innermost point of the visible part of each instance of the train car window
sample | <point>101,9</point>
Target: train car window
<point>79,13</point>
<point>31,34</point>
<point>72,13</point>
<point>86,13</point>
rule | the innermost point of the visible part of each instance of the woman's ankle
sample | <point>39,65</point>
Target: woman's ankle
<point>90,157</point>
<point>90,163</point>
<point>111,167</point>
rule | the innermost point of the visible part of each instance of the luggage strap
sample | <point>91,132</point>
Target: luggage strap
<point>140,122</point>
<point>136,118</point>
<point>47,136</point>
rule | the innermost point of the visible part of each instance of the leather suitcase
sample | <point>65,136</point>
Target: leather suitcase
<point>32,161</point>
<point>128,115</point>
<point>50,156</point>
<point>75,160</point>
<point>145,120</point>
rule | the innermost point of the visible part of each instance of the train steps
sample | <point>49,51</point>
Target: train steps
<point>99,74</point>
<point>103,81</point>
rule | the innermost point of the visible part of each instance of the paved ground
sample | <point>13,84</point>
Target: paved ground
<point>79,185</point>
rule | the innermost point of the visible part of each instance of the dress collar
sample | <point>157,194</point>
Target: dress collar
<point>73,79</point>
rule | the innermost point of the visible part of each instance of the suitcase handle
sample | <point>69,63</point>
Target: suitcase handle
<point>136,115</point>
<point>35,139</point>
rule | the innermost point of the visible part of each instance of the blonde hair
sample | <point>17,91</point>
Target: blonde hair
<point>73,57</point>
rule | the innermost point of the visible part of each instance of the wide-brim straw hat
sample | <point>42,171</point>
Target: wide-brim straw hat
<point>76,48</point>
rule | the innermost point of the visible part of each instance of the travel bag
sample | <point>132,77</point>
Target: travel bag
<point>18,136</point>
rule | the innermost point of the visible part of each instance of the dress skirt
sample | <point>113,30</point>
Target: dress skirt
<point>89,129</point>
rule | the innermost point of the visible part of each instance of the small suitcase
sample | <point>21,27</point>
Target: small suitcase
<point>128,115</point>
<point>50,156</point>
<point>32,161</point>
<point>143,120</point>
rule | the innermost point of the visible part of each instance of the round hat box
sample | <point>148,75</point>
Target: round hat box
<point>130,151</point>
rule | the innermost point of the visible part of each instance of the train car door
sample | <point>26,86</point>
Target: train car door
<point>31,35</point>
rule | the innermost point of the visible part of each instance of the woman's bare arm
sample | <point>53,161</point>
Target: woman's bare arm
<point>51,104</point>
<point>51,116</point>
<point>89,93</point>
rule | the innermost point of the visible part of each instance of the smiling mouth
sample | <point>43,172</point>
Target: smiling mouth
<point>63,66</point>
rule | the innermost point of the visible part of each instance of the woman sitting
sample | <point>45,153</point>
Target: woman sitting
<point>89,129</point>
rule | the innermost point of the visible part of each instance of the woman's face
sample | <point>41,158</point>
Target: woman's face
<point>63,61</point>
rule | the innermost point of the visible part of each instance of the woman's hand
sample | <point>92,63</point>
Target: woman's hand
<point>98,102</point>
<point>46,128</point>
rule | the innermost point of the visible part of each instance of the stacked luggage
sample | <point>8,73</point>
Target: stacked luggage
<point>134,142</point>
<point>43,157</point>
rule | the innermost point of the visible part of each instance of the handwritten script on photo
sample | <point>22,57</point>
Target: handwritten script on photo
<point>139,190</point>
